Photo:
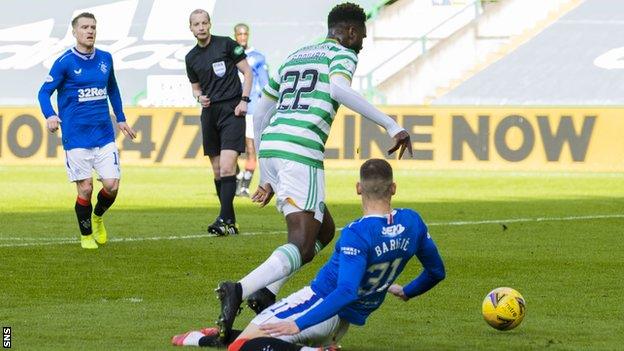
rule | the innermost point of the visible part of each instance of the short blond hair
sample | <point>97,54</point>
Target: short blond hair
<point>74,21</point>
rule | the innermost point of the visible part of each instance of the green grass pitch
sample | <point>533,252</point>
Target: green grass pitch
<point>563,249</point>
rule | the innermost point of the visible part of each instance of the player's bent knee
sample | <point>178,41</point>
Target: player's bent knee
<point>85,188</point>
<point>307,254</point>
<point>111,186</point>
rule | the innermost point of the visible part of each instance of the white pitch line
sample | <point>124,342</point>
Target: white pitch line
<point>518,220</point>
<point>57,241</point>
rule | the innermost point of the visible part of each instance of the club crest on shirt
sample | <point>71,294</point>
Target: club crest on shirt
<point>103,67</point>
<point>219,68</point>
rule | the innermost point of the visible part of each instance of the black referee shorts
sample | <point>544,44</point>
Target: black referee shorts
<point>221,129</point>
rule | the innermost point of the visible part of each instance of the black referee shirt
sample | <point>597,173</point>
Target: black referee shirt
<point>214,67</point>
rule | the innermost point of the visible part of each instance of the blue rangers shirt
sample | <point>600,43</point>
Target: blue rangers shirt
<point>260,71</point>
<point>370,254</point>
<point>84,83</point>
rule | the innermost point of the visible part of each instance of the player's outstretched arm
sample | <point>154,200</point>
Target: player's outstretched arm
<point>342,92</point>
<point>352,267</point>
<point>397,290</point>
<point>433,272</point>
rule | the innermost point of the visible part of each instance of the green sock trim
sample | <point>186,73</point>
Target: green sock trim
<point>292,253</point>
<point>318,246</point>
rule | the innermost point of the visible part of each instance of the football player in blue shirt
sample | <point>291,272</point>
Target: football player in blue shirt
<point>370,254</point>
<point>84,80</point>
<point>259,68</point>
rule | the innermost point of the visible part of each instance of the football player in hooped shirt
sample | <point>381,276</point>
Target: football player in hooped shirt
<point>85,80</point>
<point>370,254</point>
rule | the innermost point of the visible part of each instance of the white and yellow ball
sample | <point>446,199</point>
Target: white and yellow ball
<point>503,308</point>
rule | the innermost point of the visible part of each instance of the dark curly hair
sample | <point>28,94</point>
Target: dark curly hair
<point>346,13</point>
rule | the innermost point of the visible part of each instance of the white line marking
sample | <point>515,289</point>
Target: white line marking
<point>518,220</point>
<point>58,241</point>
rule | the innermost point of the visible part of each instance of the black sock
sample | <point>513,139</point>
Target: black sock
<point>218,187</point>
<point>83,213</point>
<point>272,344</point>
<point>104,201</point>
<point>228,189</point>
<point>215,341</point>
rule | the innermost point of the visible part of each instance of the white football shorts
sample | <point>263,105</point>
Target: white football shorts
<point>249,127</point>
<point>298,187</point>
<point>298,304</point>
<point>104,160</point>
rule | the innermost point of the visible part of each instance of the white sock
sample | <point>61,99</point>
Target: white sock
<point>285,260</point>
<point>277,286</point>
<point>192,339</point>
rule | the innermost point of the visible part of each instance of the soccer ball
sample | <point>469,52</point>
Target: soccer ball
<point>503,308</point>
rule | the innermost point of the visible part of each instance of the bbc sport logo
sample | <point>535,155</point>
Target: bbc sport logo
<point>6,337</point>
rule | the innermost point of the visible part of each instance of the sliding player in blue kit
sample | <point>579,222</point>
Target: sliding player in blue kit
<point>85,80</point>
<point>370,254</point>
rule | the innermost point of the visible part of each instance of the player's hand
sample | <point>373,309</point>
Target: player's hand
<point>263,194</point>
<point>402,140</point>
<point>203,100</point>
<point>397,290</point>
<point>126,130</point>
<point>281,328</point>
<point>241,109</point>
<point>53,123</point>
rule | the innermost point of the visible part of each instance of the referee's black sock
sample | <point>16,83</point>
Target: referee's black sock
<point>218,187</point>
<point>228,189</point>
<point>83,212</point>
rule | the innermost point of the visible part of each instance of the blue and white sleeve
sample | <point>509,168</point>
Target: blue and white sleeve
<point>352,266</point>
<point>52,82</point>
<point>114,96</point>
<point>433,272</point>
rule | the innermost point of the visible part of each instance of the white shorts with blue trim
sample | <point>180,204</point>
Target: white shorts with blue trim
<point>80,163</point>
<point>298,187</point>
<point>297,304</point>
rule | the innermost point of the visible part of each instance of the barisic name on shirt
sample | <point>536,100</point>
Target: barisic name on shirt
<point>391,245</point>
<point>91,94</point>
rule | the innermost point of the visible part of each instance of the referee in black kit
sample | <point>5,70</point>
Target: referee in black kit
<point>212,67</point>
